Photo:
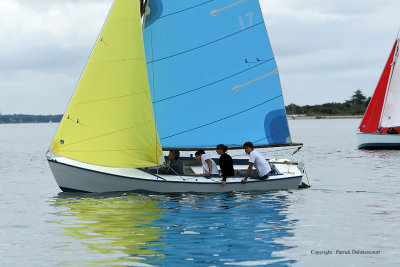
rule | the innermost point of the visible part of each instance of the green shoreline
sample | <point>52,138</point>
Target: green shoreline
<point>316,117</point>
<point>57,118</point>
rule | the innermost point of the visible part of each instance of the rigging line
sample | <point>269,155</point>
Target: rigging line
<point>254,142</point>
<point>236,88</point>
<point>227,117</point>
<point>201,87</point>
<point>183,10</point>
<point>203,45</point>
<point>270,136</point>
<point>154,91</point>
<point>261,139</point>
<point>110,133</point>
<point>215,12</point>
<point>275,150</point>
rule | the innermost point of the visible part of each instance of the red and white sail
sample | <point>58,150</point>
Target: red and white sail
<point>372,117</point>
<point>390,117</point>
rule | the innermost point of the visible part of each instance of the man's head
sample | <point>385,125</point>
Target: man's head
<point>221,149</point>
<point>198,154</point>
<point>248,147</point>
<point>173,155</point>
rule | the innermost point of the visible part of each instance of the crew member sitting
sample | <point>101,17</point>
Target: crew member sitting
<point>174,164</point>
<point>257,160</point>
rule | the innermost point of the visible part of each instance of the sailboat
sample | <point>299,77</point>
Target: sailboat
<point>380,126</point>
<point>182,75</point>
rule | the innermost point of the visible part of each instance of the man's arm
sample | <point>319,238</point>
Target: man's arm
<point>209,167</point>
<point>249,169</point>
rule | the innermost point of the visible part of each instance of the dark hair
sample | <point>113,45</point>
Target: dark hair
<point>175,153</point>
<point>248,144</point>
<point>199,152</point>
<point>222,147</point>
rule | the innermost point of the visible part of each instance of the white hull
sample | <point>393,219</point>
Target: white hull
<point>378,141</point>
<point>76,176</point>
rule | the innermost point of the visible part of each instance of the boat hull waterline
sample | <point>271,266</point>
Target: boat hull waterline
<point>74,178</point>
<point>378,141</point>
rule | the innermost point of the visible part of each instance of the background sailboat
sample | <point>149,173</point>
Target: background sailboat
<point>381,123</point>
<point>209,76</point>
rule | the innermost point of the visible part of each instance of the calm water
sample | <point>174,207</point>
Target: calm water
<point>354,204</point>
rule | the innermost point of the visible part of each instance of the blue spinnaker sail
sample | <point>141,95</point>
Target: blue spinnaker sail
<point>212,74</point>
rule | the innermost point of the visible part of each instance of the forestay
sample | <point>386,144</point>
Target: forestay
<point>212,74</point>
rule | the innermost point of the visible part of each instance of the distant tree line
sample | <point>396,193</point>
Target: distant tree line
<point>24,118</point>
<point>356,105</point>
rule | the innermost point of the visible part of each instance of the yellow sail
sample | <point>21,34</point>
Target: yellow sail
<point>109,120</point>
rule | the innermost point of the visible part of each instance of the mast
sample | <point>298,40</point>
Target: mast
<point>143,5</point>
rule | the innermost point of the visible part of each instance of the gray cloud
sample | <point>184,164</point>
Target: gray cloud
<point>45,45</point>
<point>325,50</point>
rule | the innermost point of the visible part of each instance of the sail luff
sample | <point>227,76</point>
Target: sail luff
<point>109,120</point>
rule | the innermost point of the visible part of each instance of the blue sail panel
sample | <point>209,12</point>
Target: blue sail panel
<point>213,75</point>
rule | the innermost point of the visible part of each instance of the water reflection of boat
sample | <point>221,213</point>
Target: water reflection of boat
<point>115,228</point>
<point>224,229</point>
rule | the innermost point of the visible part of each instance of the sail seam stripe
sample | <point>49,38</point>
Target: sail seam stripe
<point>201,46</point>
<point>215,82</point>
<point>123,20</point>
<point>227,117</point>
<point>101,150</point>
<point>106,99</point>
<point>120,60</point>
<point>183,10</point>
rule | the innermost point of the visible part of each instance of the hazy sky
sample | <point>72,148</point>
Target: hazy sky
<point>325,50</point>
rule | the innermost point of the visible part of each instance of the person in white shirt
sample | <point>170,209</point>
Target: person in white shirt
<point>207,162</point>
<point>257,160</point>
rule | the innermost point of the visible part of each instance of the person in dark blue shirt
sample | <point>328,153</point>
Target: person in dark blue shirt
<point>225,163</point>
<point>174,166</point>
